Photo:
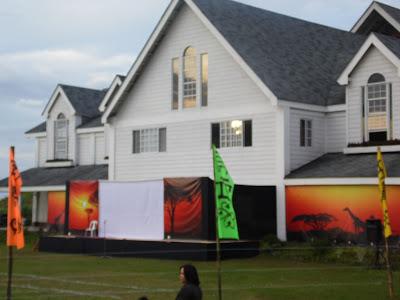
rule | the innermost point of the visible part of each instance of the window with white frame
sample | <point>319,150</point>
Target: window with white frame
<point>235,133</point>
<point>150,140</point>
<point>305,133</point>
<point>189,78</point>
<point>377,108</point>
<point>61,137</point>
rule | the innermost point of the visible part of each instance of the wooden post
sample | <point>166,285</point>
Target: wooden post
<point>10,267</point>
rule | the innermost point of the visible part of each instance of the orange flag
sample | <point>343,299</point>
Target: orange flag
<point>15,230</point>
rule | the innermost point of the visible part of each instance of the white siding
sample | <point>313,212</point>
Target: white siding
<point>189,153</point>
<point>302,155</point>
<point>42,148</point>
<point>335,131</point>
<point>61,106</point>
<point>99,148</point>
<point>232,95</point>
<point>373,62</point>
<point>86,153</point>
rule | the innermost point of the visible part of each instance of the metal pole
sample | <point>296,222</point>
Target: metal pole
<point>10,267</point>
<point>217,238</point>
<point>389,269</point>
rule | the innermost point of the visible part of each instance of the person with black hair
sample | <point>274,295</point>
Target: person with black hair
<point>191,284</point>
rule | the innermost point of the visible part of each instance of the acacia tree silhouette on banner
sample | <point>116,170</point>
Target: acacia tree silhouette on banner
<point>177,191</point>
<point>315,221</point>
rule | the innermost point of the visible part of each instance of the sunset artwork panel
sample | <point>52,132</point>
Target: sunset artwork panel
<point>344,208</point>
<point>83,204</point>
<point>56,208</point>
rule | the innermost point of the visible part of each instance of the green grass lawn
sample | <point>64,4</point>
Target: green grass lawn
<point>56,276</point>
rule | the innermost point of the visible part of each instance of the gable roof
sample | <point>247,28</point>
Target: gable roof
<point>378,17</point>
<point>113,89</point>
<point>85,101</point>
<point>291,59</point>
<point>387,45</point>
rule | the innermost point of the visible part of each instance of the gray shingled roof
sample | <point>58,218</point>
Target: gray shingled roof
<point>59,176</point>
<point>392,11</point>
<point>39,128</point>
<point>339,165</point>
<point>392,43</point>
<point>85,101</point>
<point>95,122</point>
<point>298,60</point>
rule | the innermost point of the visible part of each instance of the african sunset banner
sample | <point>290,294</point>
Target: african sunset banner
<point>83,204</point>
<point>338,209</point>
<point>56,208</point>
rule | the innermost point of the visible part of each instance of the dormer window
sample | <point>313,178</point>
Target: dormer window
<point>377,111</point>
<point>189,78</point>
<point>61,137</point>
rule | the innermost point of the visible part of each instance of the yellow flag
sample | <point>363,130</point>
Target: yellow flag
<point>382,190</point>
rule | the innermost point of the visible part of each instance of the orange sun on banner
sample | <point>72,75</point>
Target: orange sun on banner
<point>83,204</point>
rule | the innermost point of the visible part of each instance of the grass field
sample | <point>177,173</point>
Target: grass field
<point>56,276</point>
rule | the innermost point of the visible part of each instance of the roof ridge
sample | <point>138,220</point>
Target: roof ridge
<point>287,16</point>
<point>387,5</point>
<point>81,87</point>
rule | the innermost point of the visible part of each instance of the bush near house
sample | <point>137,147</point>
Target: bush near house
<point>26,199</point>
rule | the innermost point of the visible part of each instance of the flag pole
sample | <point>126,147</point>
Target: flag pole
<point>386,230</point>
<point>217,236</point>
<point>10,267</point>
<point>389,268</point>
<point>10,248</point>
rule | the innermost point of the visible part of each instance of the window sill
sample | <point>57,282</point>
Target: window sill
<point>58,163</point>
<point>371,149</point>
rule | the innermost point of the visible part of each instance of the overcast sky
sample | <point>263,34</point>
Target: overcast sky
<point>85,43</point>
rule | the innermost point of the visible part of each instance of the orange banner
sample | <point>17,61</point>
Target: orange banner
<point>15,230</point>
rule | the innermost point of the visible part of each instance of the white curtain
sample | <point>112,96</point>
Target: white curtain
<point>131,210</point>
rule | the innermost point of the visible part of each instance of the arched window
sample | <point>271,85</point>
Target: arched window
<point>377,108</point>
<point>189,77</point>
<point>61,137</point>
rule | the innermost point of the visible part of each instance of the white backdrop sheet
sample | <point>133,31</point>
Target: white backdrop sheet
<point>131,210</point>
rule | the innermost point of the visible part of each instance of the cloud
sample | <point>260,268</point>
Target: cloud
<point>62,65</point>
<point>30,103</point>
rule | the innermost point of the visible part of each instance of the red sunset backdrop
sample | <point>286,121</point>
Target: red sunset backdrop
<point>362,202</point>
<point>83,204</point>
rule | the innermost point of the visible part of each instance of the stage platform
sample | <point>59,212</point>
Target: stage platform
<point>165,249</point>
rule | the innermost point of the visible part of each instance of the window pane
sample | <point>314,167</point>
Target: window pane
<point>204,80</point>
<point>231,134</point>
<point>162,140</point>
<point>136,141</point>
<point>302,133</point>
<point>61,138</point>
<point>189,78</point>
<point>175,83</point>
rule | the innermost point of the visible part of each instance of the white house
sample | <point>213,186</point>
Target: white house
<point>288,103</point>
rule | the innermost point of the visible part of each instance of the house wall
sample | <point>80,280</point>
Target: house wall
<point>335,131</point>
<point>232,95</point>
<point>373,62</point>
<point>42,151</point>
<point>302,155</point>
<point>61,106</point>
<point>91,148</point>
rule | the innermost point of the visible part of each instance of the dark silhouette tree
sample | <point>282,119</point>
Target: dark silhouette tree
<point>176,191</point>
<point>315,221</point>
